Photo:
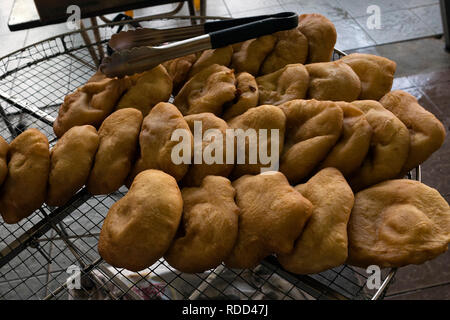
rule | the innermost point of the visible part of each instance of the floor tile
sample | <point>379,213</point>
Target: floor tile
<point>14,40</point>
<point>401,83</point>
<point>235,6</point>
<point>441,292</point>
<point>216,8</point>
<point>430,78</point>
<point>431,16</point>
<point>42,33</point>
<point>257,12</point>
<point>351,35</point>
<point>359,8</point>
<point>331,9</point>
<point>397,26</point>
<point>430,273</point>
<point>439,95</point>
<point>418,3</point>
<point>413,57</point>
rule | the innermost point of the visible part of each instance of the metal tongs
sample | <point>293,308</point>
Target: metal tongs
<point>140,50</point>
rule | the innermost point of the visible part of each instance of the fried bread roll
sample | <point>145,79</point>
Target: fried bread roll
<point>25,186</point>
<point>272,217</point>
<point>323,243</point>
<point>388,149</point>
<point>140,227</point>
<point>286,84</point>
<point>71,161</point>
<point>150,87</point>
<point>208,229</point>
<point>334,81</point>
<point>312,129</point>
<point>375,73</point>
<point>207,91</point>
<point>119,135</point>
<point>426,132</point>
<point>321,35</point>
<point>398,222</point>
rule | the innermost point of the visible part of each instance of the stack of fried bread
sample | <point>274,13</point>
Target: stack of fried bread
<point>345,142</point>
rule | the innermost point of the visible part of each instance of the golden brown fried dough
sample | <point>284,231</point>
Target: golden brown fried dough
<point>334,81</point>
<point>25,186</point>
<point>249,55</point>
<point>323,243</point>
<point>4,146</point>
<point>286,84</point>
<point>426,132</point>
<point>156,144</point>
<point>178,69</point>
<point>312,129</point>
<point>119,135</point>
<point>209,226</point>
<point>139,227</point>
<point>321,35</point>
<point>247,95</point>
<point>375,73</point>
<point>90,104</point>
<point>220,56</point>
<point>351,149</point>
<point>291,47</point>
<point>71,161</point>
<point>398,222</point>
<point>97,76</point>
<point>263,117</point>
<point>219,167</point>
<point>272,217</point>
<point>388,149</point>
<point>207,91</point>
<point>151,87</point>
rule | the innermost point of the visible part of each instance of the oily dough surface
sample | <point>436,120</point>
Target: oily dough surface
<point>156,144</point>
<point>312,129</point>
<point>150,87</point>
<point>334,81</point>
<point>426,132</point>
<point>323,242</point>
<point>291,47</point>
<point>286,84</point>
<point>90,104</point>
<point>272,217</point>
<point>388,148</point>
<point>263,117</point>
<point>219,167</point>
<point>208,229</point>
<point>351,149</point>
<point>321,35</point>
<point>220,56</point>
<point>247,96</point>
<point>249,55</point>
<point>376,74</point>
<point>398,222</point>
<point>140,227</point>
<point>117,150</point>
<point>25,186</point>
<point>207,91</point>
<point>4,146</point>
<point>71,160</point>
<point>178,69</point>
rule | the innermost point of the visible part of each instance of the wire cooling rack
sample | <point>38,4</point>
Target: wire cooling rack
<point>41,256</point>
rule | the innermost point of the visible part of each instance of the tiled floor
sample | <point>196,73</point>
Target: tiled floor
<point>423,69</point>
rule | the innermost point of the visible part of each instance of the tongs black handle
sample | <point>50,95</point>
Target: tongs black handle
<point>248,28</point>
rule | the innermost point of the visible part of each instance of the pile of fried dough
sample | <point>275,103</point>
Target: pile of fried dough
<point>345,142</point>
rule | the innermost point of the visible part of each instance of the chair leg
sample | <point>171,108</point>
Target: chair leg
<point>192,11</point>
<point>203,9</point>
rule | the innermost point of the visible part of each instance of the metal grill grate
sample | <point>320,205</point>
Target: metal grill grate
<point>36,253</point>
